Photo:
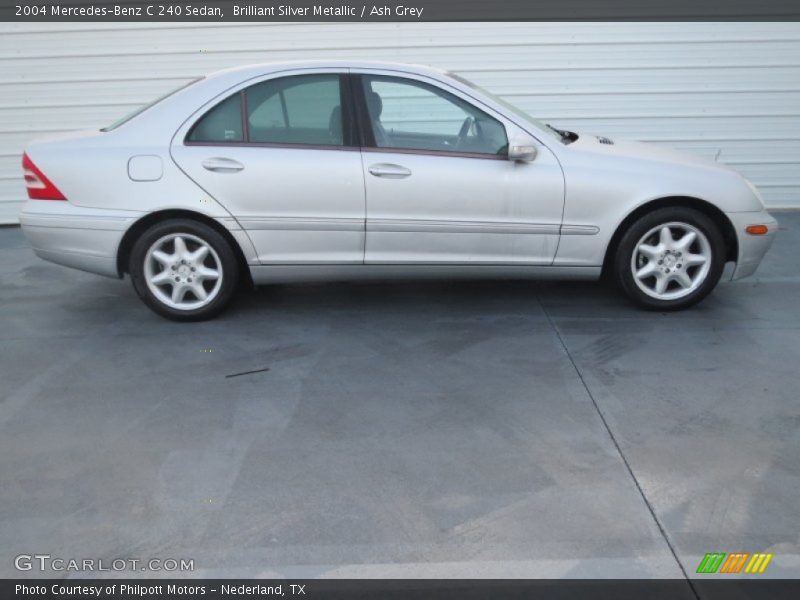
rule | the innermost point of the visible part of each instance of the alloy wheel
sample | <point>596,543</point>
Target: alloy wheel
<point>183,271</point>
<point>671,261</point>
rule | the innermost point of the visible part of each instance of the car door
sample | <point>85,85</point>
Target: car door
<point>440,189</point>
<point>282,157</point>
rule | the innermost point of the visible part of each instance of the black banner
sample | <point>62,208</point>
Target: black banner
<point>403,589</point>
<point>398,10</point>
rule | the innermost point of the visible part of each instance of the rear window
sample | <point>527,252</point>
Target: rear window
<point>141,109</point>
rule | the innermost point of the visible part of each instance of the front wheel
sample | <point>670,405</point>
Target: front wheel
<point>670,259</point>
<point>183,270</point>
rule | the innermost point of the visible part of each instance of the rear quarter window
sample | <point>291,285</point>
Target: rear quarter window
<point>223,123</point>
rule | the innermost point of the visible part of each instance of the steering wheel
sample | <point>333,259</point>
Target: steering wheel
<point>464,131</point>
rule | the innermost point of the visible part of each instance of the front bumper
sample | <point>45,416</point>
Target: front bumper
<point>752,248</point>
<point>73,236</point>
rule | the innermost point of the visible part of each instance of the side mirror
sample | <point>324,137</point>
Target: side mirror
<point>522,149</point>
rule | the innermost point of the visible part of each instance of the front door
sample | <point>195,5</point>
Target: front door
<point>440,189</point>
<point>282,157</point>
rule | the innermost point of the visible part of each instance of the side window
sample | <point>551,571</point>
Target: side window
<point>303,109</point>
<point>408,114</point>
<point>223,123</point>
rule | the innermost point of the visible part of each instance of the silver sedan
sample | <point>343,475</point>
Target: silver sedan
<point>328,170</point>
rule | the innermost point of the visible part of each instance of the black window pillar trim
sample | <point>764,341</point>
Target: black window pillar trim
<point>350,128</point>
<point>366,138</point>
<point>245,118</point>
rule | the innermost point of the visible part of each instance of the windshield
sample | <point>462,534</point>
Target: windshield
<point>510,107</point>
<point>141,109</point>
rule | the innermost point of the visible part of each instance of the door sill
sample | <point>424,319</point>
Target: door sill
<point>329,272</point>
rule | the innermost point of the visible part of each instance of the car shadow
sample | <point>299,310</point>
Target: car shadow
<point>411,296</point>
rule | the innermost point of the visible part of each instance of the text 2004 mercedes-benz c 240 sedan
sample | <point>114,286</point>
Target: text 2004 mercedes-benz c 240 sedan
<point>297,171</point>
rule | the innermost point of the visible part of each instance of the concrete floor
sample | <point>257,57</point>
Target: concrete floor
<point>490,429</point>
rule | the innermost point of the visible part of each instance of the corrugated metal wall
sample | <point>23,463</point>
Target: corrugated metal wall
<point>726,89</point>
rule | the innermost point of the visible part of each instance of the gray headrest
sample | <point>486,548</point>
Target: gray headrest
<point>375,104</point>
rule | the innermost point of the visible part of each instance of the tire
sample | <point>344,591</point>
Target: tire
<point>184,255</point>
<point>659,273</point>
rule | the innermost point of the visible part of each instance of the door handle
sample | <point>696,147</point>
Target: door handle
<point>222,165</point>
<point>389,171</point>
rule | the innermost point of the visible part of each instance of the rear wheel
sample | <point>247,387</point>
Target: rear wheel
<point>184,270</point>
<point>670,259</point>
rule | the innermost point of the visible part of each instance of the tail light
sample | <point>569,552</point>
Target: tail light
<point>39,186</point>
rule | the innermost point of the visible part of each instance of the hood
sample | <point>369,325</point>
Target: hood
<point>641,151</point>
<point>642,172</point>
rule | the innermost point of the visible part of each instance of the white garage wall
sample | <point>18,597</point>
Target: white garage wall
<point>730,90</point>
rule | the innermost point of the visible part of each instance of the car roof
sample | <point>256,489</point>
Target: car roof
<point>212,87</point>
<point>269,67</point>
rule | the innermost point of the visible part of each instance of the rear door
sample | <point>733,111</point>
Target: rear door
<point>281,155</point>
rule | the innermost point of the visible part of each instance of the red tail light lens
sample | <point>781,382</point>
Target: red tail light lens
<point>39,186</point>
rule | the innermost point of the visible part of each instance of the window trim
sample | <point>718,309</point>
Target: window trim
<point>350,134</point>
<point>443,153</point>
<point>356,127</point>
<point>368,137</point>
<point>281,145</point>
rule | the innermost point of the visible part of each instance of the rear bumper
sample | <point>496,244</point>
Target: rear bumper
<point>752,248</point>
<point>69,235</point>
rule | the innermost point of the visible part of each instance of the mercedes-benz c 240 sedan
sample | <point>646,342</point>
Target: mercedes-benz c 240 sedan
<point>299,171</point>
